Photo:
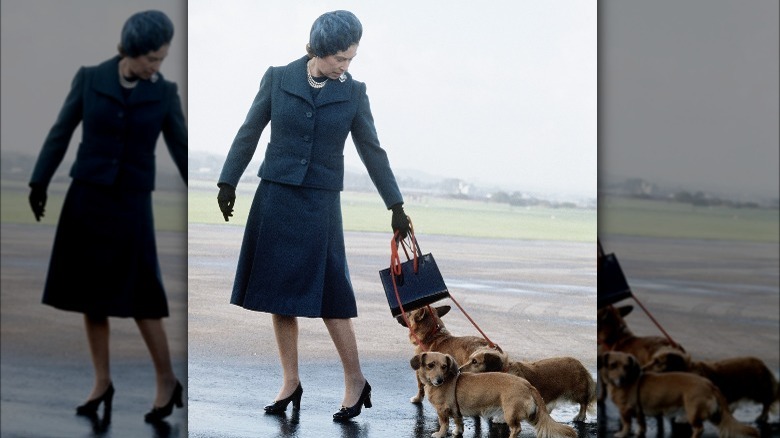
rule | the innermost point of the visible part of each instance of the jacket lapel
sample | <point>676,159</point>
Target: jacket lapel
<point>334,91</point>
<point>106,79</point>
<point>147,91</point>
<point>295,82</point>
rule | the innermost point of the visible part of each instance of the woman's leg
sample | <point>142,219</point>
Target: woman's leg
<point>286,331</point>
<point>97,336</point>
<point>343,335</point>
<point>156,340</point>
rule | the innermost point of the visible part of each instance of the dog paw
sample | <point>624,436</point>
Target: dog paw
<point>439,434</point>
<point>416,400</point>
<point>621,434</point>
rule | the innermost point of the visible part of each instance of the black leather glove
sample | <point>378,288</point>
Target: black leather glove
<point>37,200</point>
<point>400,221</point>
<point>226,199</point>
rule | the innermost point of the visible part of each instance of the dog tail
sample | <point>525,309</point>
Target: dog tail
<point>728,426</point>
<point>544,424</point>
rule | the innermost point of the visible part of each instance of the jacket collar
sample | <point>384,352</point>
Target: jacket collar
<point>106,82</point>
<point>295,81</point>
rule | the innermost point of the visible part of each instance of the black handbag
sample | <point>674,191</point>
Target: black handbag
<point>414,283</point>
<point>611,283</point>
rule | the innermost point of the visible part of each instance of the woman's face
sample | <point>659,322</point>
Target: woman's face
<point>334,66</point>
<point>145,66</point>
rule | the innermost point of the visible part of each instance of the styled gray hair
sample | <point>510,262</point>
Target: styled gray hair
<point>145,32</point>
<point>334,32</point>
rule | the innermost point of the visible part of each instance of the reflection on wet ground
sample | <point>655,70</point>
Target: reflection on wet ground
<point>609,423</point>
<point>233,364</point>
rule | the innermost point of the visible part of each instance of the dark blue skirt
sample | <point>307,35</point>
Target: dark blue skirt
<point>104,259</point>
<point>292,260</point>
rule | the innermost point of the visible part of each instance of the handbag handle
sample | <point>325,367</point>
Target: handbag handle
<point>395,270</point>
<point>395,258</point>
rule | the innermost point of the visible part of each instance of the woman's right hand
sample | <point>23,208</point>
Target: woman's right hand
<point>226,199</point>
<point>37,200</point>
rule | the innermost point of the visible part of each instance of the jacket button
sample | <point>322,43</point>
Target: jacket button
<point>120,114</point>
<point>308,114</point>
<point>304,161</point>
<point>306,138</point>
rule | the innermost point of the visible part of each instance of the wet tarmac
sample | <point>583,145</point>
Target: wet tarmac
<point>46,370</point>
<point>535,299</point>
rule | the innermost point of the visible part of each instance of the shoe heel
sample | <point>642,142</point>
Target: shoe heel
<point>296,402</point>
<point>179,402</point>
<point>107,405</point>
<point>367,402</point>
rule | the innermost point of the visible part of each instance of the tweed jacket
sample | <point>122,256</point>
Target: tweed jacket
<point>118,137</point>
<point>308,133</point>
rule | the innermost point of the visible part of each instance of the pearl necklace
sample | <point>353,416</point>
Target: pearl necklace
<point>312,82</point>
<point>124,82</point>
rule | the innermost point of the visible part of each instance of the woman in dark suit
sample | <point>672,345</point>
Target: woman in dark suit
<point>292,261</point>
<point>104,260</point>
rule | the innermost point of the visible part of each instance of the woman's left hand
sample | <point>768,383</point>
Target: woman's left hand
<point>400,221</point>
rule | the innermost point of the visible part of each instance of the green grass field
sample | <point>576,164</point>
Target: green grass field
<point>430,215</point>
<point>649,218</point>
<point>169,207</point>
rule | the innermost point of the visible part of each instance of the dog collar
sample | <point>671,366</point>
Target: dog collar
<point>433,331</point>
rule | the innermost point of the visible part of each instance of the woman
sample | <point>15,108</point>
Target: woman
<point>104,260</point>
<point>312,104</point>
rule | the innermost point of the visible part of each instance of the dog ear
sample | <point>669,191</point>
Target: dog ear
<point>493,362</point>
<point>416,361</point>
<point>452,366</point>
<point>443,310</point>
<point>676,362</point>
<point>625,310</point>
<point>401,320</point>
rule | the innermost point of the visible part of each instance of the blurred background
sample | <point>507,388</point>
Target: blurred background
<point>46,368</point>
<point>688,172</point>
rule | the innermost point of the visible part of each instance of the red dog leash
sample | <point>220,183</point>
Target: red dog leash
<point>395,269</point>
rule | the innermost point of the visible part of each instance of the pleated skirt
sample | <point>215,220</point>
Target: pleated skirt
<point>292,260</point>
<point>104,259</point>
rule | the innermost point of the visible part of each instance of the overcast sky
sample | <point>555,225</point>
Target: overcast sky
<point>688,93</point>
<point>497,92</point>
<point>501,92</point>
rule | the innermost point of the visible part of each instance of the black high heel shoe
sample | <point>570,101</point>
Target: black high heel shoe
<point>90,407</point>
<point>279,406</point>
<point>364,400</point>
<point>158,413</point>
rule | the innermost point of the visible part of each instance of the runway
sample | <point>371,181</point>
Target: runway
<point>536,299</point>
